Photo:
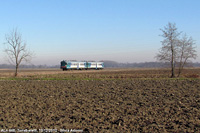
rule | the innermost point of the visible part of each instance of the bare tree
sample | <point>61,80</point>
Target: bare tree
<point>186,52</point>
<point>168,52</point>
<point>175,50</point>
<point>16,50</point>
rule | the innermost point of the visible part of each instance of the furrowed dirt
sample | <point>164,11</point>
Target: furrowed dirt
<point>110,100</point>
<point>112,104</point>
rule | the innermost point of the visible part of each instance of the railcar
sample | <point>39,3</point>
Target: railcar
<point>80,65</point>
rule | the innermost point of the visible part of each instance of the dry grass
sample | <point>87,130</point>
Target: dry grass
<point>108,73</point>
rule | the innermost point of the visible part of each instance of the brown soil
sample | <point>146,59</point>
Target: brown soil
<point>101,105</point>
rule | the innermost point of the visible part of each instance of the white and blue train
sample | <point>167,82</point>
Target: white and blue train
<point>80,65</point>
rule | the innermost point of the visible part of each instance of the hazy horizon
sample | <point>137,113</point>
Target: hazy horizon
<point>116,30</point>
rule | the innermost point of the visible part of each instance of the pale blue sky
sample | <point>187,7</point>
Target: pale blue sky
<point>119,30</point>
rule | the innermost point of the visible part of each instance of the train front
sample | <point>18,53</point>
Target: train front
<point>63,65</point>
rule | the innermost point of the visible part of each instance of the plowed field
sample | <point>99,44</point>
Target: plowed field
<point>101,101</point>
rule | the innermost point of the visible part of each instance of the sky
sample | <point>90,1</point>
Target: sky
<point>117,30</point>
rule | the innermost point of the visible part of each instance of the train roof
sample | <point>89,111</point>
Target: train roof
<point>74,61</point>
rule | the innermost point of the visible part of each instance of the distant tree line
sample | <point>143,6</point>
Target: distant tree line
<point>113,64</point>
<point>107,64</point>
<point>8,66</point>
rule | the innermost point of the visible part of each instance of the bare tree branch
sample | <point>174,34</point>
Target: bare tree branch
<point>186,51</point>
<point>168,52</point>
<point>175,50</point>
<point>16,49</point>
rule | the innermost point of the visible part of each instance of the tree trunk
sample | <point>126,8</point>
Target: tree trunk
<point>181,67</point>
<point>179,72</point>
<point>16,71</point>
<point>172,62</point>
<point>173,75</point>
